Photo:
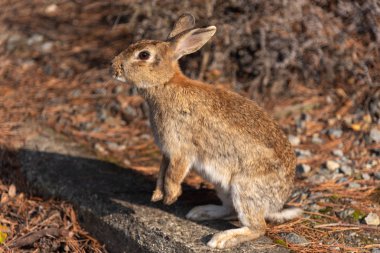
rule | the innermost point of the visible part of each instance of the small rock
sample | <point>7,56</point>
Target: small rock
<point>375,151</point>
<point>344,159</point>
<point>52,8</point>
<point>118,89</point>
<point>13,41</point>
<point>337,152</point>
<point>28,64</point>
<point>303,153</point>
<point>354,185</point>
<point>296,239</point>
<point>337,133</point>
<point>35,38</point>
<point>100,91</point>
<point>346,213</point>
<point>47,47</point>
<point>302,169</point>
<point>315,208</point>
<point>83,126</point>
<point>374,135</point>
<point>370,164</point>
<point>126,162</point>
<point>294,140</point>
<point>12,191</point>
<point>301,121</point>
<point>332,165</point>
<point>377,175</point>
<point>366,176</point>
<point>317,179</point>
<point>100,149</point>
<point>76,93</point>
<point>353,234</point>
<point>316,139</point>
<point>342,180</point>
<point>375,251</point>
<point>115,147</point>
<point>129,113</point>
<point>345,169</point>
<point>331,121</point>
<point>372,219</point>
<point>102,115</point>
<point>145,136</point>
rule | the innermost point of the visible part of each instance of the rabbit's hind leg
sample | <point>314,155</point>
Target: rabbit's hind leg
<point>251,215</point>
<point>212,212</point>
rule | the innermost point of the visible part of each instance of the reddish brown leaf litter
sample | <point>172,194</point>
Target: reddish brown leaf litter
<point>313,64</point>
<point>32,224</point>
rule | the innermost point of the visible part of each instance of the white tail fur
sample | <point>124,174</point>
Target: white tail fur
<point>284,215</point>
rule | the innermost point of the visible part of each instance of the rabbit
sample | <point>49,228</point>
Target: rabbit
<point>225,137</point>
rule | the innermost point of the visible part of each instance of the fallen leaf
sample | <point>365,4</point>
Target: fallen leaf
<point>356,127</point>
<point>3,234</point>
<point>12,191</point>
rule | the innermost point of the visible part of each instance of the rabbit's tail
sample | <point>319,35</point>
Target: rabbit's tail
<point>284,215</point>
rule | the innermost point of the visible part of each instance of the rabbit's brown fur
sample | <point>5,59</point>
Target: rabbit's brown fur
<point>227,138</point>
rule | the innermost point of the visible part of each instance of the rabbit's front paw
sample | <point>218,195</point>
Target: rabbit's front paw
<point>157,195</point>
<point>172,193</point>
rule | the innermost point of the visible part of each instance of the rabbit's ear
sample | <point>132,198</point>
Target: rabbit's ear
<point>192,41</point>
<point>185,22</point>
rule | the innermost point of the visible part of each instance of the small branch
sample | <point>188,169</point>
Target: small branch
<point>30,238</point>
<point>345,225</point>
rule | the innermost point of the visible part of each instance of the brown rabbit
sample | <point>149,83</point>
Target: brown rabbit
<point>225,137</point>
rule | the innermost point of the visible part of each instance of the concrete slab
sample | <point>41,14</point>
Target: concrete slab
<point>113,203</point>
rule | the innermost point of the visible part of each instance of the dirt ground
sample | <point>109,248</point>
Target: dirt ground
<point>314,65</point>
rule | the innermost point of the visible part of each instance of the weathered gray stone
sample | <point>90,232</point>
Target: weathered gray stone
<point>316,139</point>
<point>332,165</point>
<point>294,140</point>
<point>372,219</point>
<point>374,134</point>
<point>337,133</point>
<point>347,170</point>
<point>337,152</point>
<point>113,203</point>
<point>295,238</point>
<point>354,185</point>
<point>302,169</point>
<point>366,176</point>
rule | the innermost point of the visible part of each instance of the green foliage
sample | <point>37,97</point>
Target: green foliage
<point>328,209</point>
<point>358,215</point>
<point>281,242</point>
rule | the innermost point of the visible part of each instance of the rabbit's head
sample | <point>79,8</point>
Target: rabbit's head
<point>149,63</point>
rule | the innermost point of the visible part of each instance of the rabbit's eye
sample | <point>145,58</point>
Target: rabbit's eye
<point>144,55</point>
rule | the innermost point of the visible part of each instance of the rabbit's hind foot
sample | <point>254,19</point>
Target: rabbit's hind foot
<point>233,237</point>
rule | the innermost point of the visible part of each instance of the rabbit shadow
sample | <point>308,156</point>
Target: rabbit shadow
<point>94,183</point>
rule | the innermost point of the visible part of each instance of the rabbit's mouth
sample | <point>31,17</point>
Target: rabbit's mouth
<point>120,78</point>
<point>118,75</point>
<point>117,70</point>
